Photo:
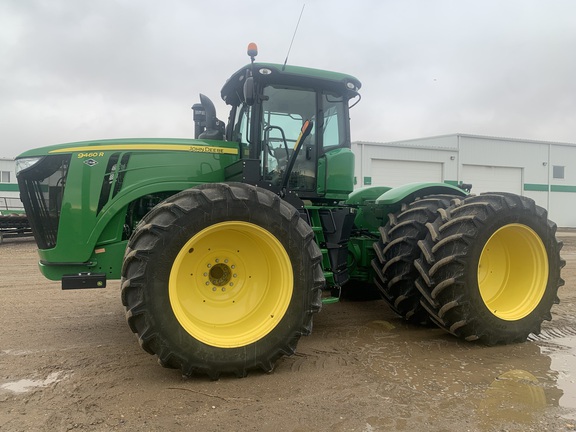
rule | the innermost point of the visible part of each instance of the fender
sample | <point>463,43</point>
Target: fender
<point>366,194</point>
<point>375,202</point>
<point>409,192</point>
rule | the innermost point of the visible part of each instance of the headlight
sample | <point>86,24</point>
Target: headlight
<point>22,164</point>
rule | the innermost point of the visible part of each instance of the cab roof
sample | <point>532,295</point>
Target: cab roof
<point>289,75</point>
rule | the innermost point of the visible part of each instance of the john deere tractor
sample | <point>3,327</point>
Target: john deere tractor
<point>227,244</point>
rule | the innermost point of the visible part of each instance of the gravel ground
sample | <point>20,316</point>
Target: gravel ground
<point>69,362</point>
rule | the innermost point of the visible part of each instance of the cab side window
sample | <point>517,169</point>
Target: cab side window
<point>333,132</point>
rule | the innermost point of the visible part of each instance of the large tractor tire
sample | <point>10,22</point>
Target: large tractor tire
<point>221,278</point>
<point>490,268</point>
<point>395,274</point>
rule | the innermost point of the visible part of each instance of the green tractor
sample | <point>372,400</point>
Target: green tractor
<point>227,244</point>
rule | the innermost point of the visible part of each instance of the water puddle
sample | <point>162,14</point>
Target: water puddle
<point>428,371</point>
<point>514,397</point>
<point>26,385</point>
<point>562,352</point>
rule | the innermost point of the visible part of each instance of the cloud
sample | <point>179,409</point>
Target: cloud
<point>83,69</point>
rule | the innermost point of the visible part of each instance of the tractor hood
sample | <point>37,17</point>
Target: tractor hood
<point>85,148</point>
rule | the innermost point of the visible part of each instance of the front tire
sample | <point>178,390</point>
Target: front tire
<point>490,268</point>
<point>222,278</point>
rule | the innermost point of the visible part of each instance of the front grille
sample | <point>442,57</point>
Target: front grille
<point>41,191</point>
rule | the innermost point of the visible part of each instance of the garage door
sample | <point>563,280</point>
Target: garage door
<point>398,172</point>
<point>492,179</point>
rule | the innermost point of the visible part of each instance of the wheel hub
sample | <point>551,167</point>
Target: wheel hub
<point>231,284</point>
<point>220,274</point>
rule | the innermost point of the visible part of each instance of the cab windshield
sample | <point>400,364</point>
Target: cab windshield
<point>281,116</point>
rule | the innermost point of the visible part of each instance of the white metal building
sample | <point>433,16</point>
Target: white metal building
<point>544,171</point>
<point>9,195</point>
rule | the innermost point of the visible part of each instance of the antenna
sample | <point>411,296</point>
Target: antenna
<point>293,36</point>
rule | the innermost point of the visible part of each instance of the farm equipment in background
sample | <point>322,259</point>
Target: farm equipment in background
<point>13,226</point>
<point>227,244</point>
<point>13,221</point>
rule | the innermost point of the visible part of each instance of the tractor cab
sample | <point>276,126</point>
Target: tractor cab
<point>270,106</point>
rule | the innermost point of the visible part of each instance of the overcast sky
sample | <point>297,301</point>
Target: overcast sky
<point>74,70</point>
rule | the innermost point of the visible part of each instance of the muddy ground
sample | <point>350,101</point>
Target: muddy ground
<point>69,362</point>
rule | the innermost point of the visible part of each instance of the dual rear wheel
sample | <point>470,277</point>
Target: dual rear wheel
<point>484,267</point>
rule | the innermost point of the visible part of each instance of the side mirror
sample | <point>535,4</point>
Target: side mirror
<point>249,96</point>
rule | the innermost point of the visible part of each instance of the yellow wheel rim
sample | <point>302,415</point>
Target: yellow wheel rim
<point>231,284</point>
<point>513,272</point>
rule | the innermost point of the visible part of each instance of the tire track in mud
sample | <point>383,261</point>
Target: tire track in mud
<point>550,334</point>
<point>318,359</point>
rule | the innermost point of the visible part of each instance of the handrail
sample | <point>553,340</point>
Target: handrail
<point>8,203</point>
